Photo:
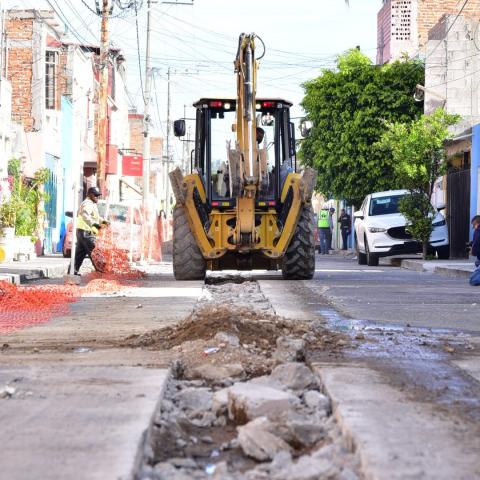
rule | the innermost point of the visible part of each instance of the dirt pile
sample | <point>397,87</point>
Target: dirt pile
<point>240,312</point>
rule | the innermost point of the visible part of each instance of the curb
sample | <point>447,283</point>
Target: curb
<point>421,266</point>
<point>25,274</point>
<point>453,272</point>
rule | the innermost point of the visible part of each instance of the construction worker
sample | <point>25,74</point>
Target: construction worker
<point>324,228</point>
<point>89,223</point>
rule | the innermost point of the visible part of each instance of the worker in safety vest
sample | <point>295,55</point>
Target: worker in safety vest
<point>89,223</point>
<point>324,228</point>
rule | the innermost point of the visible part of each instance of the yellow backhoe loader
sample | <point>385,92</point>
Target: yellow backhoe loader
<point>243,206</point>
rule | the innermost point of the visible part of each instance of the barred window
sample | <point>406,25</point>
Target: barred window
<point>51,59</point>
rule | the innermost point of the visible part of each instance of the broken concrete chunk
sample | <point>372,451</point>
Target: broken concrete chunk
<point>268,381</point>
<point>316,400</point>
<point>289,349</point>
<point>258,442</point>
<point>247,401</point>
<point>298,430</point>
<point>294,375</point>
<point>220,401</point>
<point>211,372</point>
<point>307,468</point>
<point>194,399</point>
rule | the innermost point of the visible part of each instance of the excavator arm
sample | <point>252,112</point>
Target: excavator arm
<point>245,167</point>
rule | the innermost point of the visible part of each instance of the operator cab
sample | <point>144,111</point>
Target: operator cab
<point>215,133</point>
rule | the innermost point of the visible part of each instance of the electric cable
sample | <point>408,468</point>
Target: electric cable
<point>448,29</point>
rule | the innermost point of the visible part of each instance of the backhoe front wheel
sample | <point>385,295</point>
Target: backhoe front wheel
<point>188,261</point>
<point>299,259</point>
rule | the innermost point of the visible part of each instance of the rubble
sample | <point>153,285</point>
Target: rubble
<point>294,375</point>
<point>247,402</point>
<point>316,400</point>
<point>212,372</point>
<point>258,442</point>
<point>289,349</point>
<point>195,399</point>
<point>252,410</point>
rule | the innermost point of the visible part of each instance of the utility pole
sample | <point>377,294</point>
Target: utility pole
<point>146,111</point>
<point>167,186</point>
<point>102,99</point>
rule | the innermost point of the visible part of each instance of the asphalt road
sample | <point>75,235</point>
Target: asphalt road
<point>392,295</point>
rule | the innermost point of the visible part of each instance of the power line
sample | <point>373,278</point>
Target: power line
<point>138,52</point>
<point>448,29</point>
<point>83,22</point>
<point>67,23</point>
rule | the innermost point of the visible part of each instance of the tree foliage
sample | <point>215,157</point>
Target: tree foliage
<point>349,108</point>
<point>418,151</point>
<point>21,210</point>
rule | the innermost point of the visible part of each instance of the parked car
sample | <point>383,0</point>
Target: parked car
<point>119,216</point>
<point>381,230</point>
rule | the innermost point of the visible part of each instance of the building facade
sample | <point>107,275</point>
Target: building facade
<point>403,26</point>
<point>54,84</point>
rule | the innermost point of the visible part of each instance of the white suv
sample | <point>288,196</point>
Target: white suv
<point>380,230</point>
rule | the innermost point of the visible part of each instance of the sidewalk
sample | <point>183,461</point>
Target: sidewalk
<point>451,268</point>
<point>49,266</point>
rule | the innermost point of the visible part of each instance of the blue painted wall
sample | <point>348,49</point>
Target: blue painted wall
<point>475,171</point>
<point>65,198</point>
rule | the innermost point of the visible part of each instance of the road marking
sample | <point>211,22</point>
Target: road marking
<point>327,270</point>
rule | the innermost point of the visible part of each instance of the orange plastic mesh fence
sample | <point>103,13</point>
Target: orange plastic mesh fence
<point>24,306</point>
<point>116,245</point>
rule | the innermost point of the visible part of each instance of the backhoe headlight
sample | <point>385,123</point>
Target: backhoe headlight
<point>440,223</point>
<point>377,230</point>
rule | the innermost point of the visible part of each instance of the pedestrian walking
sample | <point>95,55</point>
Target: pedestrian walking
<point>324,229</point>
<point>345,222</point>
<point>475,278</point>
<point>332,228</point>
<point>89,223</point>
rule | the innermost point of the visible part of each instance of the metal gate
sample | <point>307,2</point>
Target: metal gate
<point>458,195</point>
<point>51,211</point>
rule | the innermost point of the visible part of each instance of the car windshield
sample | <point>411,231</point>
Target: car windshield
<point>384,205</point>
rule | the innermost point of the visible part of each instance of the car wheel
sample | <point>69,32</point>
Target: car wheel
<point>372,259</point>
<point>443,252</point>
<point>361,257</point>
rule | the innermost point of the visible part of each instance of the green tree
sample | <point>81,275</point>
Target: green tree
<point>349,107</point>
<point>22,210</point>
<point>418,151</point>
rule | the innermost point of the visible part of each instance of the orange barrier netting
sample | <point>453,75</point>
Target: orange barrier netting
<point>23,306</point>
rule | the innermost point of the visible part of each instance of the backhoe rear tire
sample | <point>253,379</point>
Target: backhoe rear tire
<point>299,259</point>
<point>188,261</point>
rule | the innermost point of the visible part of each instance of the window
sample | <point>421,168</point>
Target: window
<point>50,79</point>
<point>385,205</point>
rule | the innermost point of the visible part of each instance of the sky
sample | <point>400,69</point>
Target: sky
<point>199,43</point>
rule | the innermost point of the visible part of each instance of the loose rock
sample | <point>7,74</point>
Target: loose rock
<point>258,442</point>
<point>289,349</point>
<point>211,372</point>
<point>247,401</point>
<point>296,376</point>
<point>220,401</point>
<point>195,399</point>
<point>316,400</point>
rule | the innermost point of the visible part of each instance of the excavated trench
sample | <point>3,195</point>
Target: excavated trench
<point>242,403</point>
